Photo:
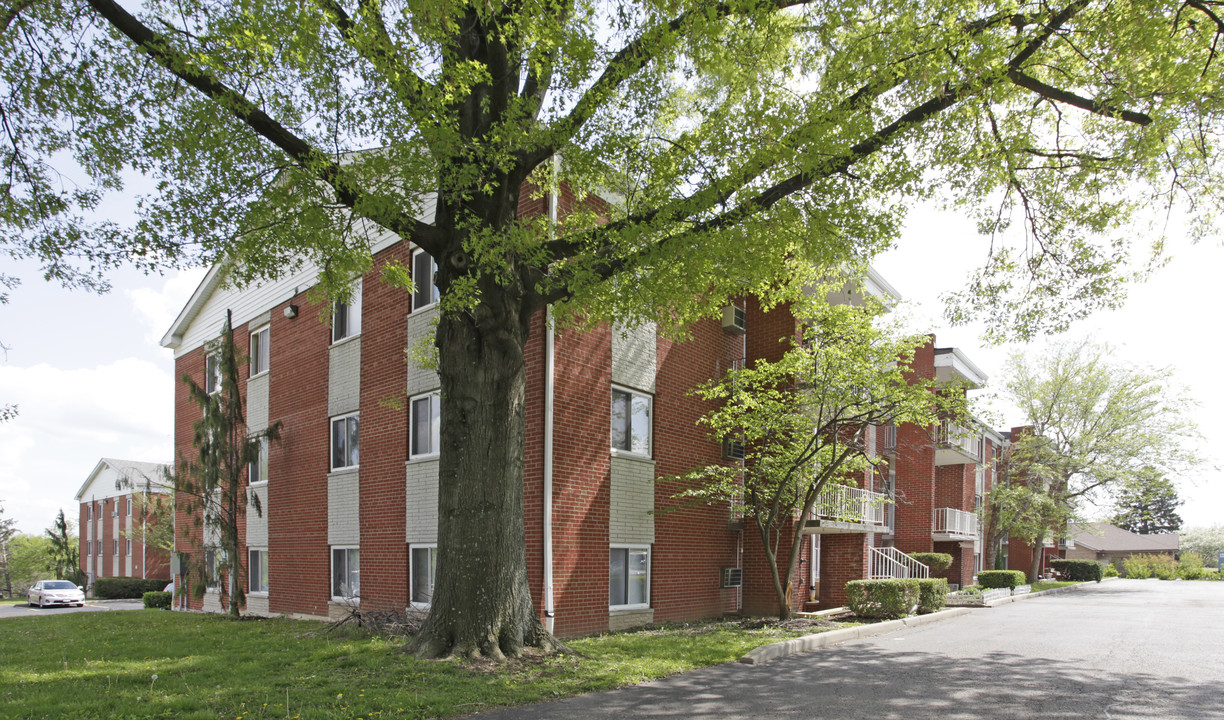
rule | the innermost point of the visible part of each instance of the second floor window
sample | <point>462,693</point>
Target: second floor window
<point>346,320</point>
<point>424,426</point>
<point>344,441</point>
<point>212,373</point>
<point>258,470</point>
<point>261,345</point>
<point>631,416</point>
<point>424,292</point>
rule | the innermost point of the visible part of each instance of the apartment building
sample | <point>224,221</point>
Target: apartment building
<point>348,497</point>
<point>111,522</point>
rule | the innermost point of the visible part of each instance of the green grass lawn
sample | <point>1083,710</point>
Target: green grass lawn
<point>1051,584</point>
<point>153,664</point>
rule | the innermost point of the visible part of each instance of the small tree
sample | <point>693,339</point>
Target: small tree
<point>156,514</point>
<point>64,558</point>
<point>803,420</point>
<point>1095,425</point>
<point>8,529</point>
<point>1205,541</point>
<point>1147,505</point>
<point>213,486</point>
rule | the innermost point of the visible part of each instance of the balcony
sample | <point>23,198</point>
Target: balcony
<point>957,445</point>
<point>842,509</point>
<point>953,524</point>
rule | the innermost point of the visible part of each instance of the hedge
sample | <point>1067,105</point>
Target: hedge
<point>932,594</point>
<point>158,599</point>
<point>1000,578</point>
<point>1078,570</point>
<point>882,598</point>
<point>938,562</point>
<point>114,588</point>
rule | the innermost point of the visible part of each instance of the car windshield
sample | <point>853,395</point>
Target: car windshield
<point>59,585</point>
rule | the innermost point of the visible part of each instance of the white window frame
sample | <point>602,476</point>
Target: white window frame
<point>212,375</point>
<point>252,588</point>
<point>634,395</point>
<point>261,347</point>
<point>630,548</point>
<point>426,288</point>
<point>433,560</point>
<point>331,442</point>
<point>346,316</point>
<point>346,549</point>
<point>257,469</point>
<point>434,404</point>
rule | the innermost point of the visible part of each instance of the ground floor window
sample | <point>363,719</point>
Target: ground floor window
<point>628,577</point>
<point>212,578</point>
<point>424,568</point>
<point>346,572</point>
<point>259,571</point>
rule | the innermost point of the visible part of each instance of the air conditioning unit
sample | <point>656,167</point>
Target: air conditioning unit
<point>733,320</point>
<point>732,577</point>
<point>733,449</point>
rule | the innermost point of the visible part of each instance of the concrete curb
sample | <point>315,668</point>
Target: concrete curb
<point>1051,591</point>
<point>807,643</point>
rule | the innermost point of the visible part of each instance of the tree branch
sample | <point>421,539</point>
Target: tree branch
<point>1064,96</point>
<point>307,156</point>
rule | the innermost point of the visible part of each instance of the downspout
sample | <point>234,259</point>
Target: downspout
<point>550,610</point>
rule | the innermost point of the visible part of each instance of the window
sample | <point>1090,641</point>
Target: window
<point>212,373</point>
<point>424,568</point>
<point>424,425</point>
<point>129,507</point>
<point>212,578</point>
<point>90,511</point>
<point>424,293</point>
<point>260,347</point>
<point>346,320</point>
<point>259,571</point>
<point>344,442</point>
<point>629,577</point>
<point>116,547</point>
<point>346,572</point>
<point>89,547</point>
<point>257,471</point>
<point>631,421</point>
<point>129,547</point>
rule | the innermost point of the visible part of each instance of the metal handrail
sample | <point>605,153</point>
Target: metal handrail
<point>955,522</point>
<point>960,437</point>
<point>842,503</point>
<point>889,562</point>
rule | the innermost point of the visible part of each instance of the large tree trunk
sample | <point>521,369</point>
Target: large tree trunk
<point>482,604</point>
<point>1038,546</point>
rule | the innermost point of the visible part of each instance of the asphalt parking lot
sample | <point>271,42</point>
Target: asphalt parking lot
<point>23,610</point>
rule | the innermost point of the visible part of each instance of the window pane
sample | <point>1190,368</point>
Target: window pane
<point>338,573</point>
<point>354,312</point>
<point>617,560</point>
<point>340,328</point>
<point>435,423</point>
<point>621,438</point>
<point>424,567</point>
<point>637,577</point>
<point>353,445</point>
<point>641,424</point>
<point>338,439</point>
<point>421,432</point>
<point>354,573</point>
<point>424,293</point>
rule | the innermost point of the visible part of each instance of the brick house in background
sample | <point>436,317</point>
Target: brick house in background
<point>349,495</point>
<point>110,501</point>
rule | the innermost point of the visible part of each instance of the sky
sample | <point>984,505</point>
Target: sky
<point>91,380</point>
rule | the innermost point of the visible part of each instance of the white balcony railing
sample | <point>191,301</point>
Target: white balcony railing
<point>889,562</point>
<point>950,521</point>
<point>851,505</point>
<point>960,438</point>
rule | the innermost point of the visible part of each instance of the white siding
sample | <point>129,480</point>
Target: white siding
<point>344,377</point>
<point>257,526</point>
<point>257,403</point>
<point>420,327</point>
<point>343,524</point>
<point>630,516</point>
<point>635,356</point>
<point>422,502</point>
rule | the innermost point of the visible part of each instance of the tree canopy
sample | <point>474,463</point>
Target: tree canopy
<point>743,146</point>
<point>1147,505</point>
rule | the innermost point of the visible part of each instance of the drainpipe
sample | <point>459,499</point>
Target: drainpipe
<point>550,610</point>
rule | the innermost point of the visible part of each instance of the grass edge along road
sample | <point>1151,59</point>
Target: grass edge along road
<point>154,664</point>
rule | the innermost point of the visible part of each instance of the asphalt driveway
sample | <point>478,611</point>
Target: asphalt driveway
<point>1118,650</point>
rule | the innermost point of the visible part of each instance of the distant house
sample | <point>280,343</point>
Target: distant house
<point>1108,543</point>
<point>111,524</point>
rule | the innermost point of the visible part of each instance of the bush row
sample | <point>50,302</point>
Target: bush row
<point>114,588</point>
<point>938,562</point>
<point>158,599</point>
<point>1166,568</point>
<point>1078,570</point>
<point>895,598</point>
<point>1001,578</point>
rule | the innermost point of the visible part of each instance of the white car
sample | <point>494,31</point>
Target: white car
<point>55,592</point>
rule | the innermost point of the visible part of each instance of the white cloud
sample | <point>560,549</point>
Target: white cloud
<point>160,306</point>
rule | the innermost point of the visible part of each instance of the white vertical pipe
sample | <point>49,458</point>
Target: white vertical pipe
<point>549,397</point>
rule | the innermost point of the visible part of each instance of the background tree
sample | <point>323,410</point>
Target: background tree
<point>1207,541</point>
<point>749,147</point>
<point>1094,425</point>
<point>64,553</point>
<point>212,487</point>
<point>27,562</point>
<point>155,514</point>
<point>1147,505</point>
<point>803,422</point>
<point>8,529</point>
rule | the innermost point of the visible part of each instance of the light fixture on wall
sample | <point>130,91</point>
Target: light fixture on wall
<point>291,311</point>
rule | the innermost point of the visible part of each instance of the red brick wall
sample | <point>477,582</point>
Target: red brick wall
<point>915,475</point>
<point>843,557</point>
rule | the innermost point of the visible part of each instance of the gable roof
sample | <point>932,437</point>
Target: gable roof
<point>1103,537</point>
<point>133,471</point>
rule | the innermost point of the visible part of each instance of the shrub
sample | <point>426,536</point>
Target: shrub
<point>158,599</point>
<point>1191,567</point>
<point>1110,570</point>
<point>1000,578</point>
<point>938,562</point>
<point>882,598</point>
<point>1135,567</point>
<point>1146,566</point>
<point>1078,570</point>
<point>126,588</point>
<point>932,594</point>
